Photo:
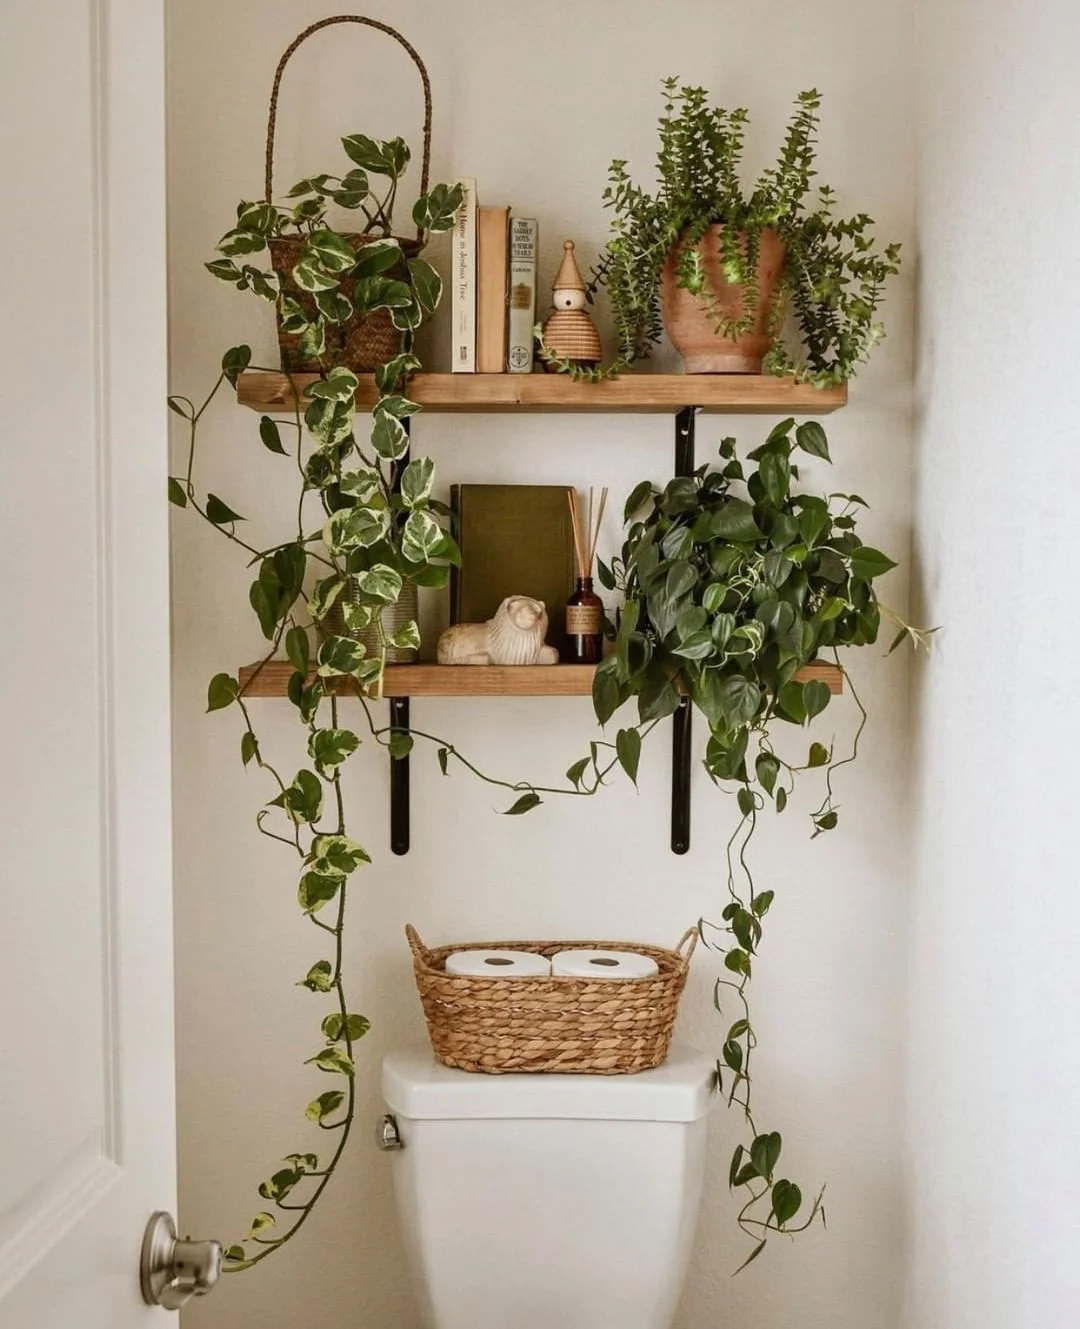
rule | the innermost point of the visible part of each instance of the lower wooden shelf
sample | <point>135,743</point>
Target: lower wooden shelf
<point>433,680</point>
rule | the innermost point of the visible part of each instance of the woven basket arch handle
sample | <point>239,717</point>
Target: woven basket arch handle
<point>690,936</point>
<point>271,122</point>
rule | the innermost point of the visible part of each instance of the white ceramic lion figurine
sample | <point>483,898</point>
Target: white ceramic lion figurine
<point>515,636</point>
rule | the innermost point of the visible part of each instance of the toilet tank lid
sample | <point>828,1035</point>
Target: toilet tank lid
<point>419,1088</point>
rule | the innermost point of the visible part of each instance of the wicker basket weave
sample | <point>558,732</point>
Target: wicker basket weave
<point>590,1026</point>
<point>363,342</point>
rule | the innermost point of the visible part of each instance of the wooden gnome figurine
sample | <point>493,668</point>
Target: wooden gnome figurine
<point>569,332</point>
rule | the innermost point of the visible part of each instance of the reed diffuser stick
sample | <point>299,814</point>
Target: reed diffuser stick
<point>585,539</point>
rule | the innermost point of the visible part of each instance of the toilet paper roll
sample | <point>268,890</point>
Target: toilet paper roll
<point>498,964</point>
<point>603,964</point>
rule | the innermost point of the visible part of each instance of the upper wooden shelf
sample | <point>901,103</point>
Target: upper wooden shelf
<point>761,394</point>
<point>432,680</point>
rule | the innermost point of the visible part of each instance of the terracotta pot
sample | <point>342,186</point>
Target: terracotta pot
<point>688,325</point>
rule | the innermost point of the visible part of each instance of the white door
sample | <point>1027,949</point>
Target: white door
<point>86,1060</point>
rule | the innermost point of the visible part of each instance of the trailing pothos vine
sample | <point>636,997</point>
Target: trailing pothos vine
<point>733,585</point>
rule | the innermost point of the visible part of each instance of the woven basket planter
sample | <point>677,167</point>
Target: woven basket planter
<point>584,1026</point>
<point>364,342</point>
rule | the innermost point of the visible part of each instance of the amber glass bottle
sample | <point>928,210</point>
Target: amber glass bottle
<point>584,625</point>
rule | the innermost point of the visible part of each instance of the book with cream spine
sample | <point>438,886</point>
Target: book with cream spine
<point>492,291</point>
<point>463,304</point>
<point>523,247</point>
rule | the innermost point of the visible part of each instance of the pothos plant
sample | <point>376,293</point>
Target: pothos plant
<point>364,523</point>
<point>833,277</point>
<point>733,582</point>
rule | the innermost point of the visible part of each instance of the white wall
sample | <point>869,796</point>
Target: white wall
<point>534,100</point>
<point>994,1063</point>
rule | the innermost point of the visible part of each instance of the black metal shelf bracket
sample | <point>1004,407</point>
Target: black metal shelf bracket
<point>682,720</point>
<point>400,829</point>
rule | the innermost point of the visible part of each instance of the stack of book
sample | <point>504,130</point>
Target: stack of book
<point>494,289</point>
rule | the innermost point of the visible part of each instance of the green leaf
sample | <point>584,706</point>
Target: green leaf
<point>811,438</point>
<point>334,306</point>
<point>745,800</point>
<point>371,293</point>
<point>361,483</point>
<point>818,756</point>
<point>816,697</point>
<point>334,1060</point>
<point>325,1105</point>
<point>775,472</point>
<point>241,241</point>
<point>339,385</point>
<point>219,512</point>
<point>339,655</point>
<point>353,1026</point>
<point>826,822</point>
<point>389,437</point>
<point>734,520</point>
<point>222,692</point>
<point>224,269</point>
<point>298,649</point>
<point>381,583</point>
<point>315,890</point>
<point>416,481</point>
<point>781,430</point>
<point>329,748</point>
<point>760,903</point>
<point>260,1223</point>
<point>381,158</point>
<point>867,563</point>
<point>792,702</point>
<point>739,699</point>
<point>389,375</point>
<point>355,528</point>
<point>177,492</point>
<point>575,772</point>
<point>786,1200</point>
<point>525,803</point>
<point>271,436</point>
<point>302,800</point>
<point>303,1162</point>
<point>606,695</point>
<point>781,799</point>
<point>753,1254</point>
<point>407,637</point>
<point>736,1163</point>
<point>377,257</point>
<point>235,360</point>
<point>628,750</point>
<point>320,977</point>
<point>249,746</point>
<point>337,855</point>
<point>638,495</point>
<point>426,283</point>
<point>767,768</point>
<point>324,595</point>
<point>765,1153</point>
<point>280,1184</point>
<point>733,1055</point>
<point>399,744</point>
<point>332,252</point>
<point>443,755</point>
<point>437,209</point>
<point>311,276</point>
<point>421,538</point>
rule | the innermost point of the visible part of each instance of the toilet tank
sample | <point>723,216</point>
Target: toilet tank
<point>548,1201</point>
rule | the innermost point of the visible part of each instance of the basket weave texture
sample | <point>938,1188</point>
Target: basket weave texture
<point>584,1026</point>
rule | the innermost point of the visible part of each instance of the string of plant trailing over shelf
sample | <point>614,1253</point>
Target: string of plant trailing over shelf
<point>731,582</point>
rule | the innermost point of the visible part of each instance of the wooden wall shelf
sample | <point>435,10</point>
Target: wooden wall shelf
<point>432,680</point>
<point>761,394</point>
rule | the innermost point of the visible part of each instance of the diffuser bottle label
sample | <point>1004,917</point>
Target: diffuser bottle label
<point>583,620</point>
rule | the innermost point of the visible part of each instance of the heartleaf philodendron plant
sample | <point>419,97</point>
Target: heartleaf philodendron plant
<point>733,583</point>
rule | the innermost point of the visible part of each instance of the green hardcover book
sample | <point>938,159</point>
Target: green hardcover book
<point>515,540</point>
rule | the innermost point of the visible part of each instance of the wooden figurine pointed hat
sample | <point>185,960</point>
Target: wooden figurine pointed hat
<point>569,277</point>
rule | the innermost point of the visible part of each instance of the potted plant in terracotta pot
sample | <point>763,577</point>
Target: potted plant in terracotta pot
<point>718,266</point>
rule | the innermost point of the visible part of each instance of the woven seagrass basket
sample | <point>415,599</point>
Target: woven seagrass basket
<point>363,342</point>
<point>587,1026</point>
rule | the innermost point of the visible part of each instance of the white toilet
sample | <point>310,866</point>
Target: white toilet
<point>548,1201</point>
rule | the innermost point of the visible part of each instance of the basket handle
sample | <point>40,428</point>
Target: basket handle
<point>271,123</point>
<point>691,935</point>
<point>417,947</point>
